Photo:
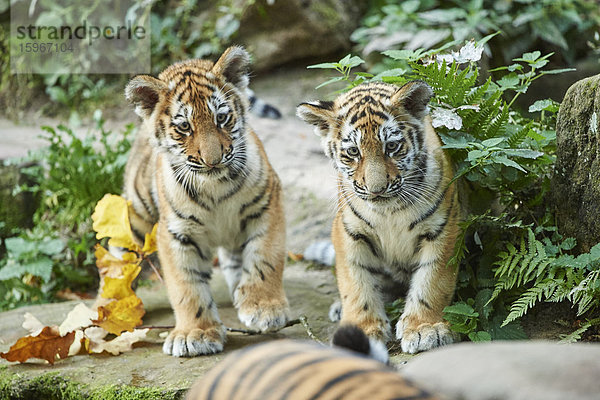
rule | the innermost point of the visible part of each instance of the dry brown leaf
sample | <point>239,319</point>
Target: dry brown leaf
<point>295,256</point>
<point>68,294</point>
<point>48,345</point>
<point>121,315</point>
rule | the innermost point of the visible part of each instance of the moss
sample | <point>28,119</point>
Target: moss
<point>51,386</point>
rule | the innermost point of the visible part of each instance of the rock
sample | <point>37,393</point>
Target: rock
<point>277,32</point>
<point>510,371</point>
<point>576,180</point>
<point>16,211</point>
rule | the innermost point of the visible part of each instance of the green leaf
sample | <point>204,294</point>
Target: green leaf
<point>400,54</point>
<point>509,163</point>
<point>492,142</point>
<point>17,246</point>
<point>480,336</point>
<point>557,71</point>
<point>330,81</point>
<point>51,247</point>
<point>41,266</point>
<point>324,66</point>
<point>523,153</point>
<point>529,57</point>
<point>461,308</point>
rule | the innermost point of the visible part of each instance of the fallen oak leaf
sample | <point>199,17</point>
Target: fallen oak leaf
<point>118,345</point>
<point>47,345</point>
<point>80,316</point>
<point>121,315</point>
<point>32,324</point>
<point>111,219</point>
<point>120,288</point>
<point>295,256</point>
<point>111,266</point>
<point>150,245</point>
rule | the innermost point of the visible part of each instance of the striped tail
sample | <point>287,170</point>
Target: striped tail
<point>260,108</point>
<point>351,337</point>
<point>321,252</point>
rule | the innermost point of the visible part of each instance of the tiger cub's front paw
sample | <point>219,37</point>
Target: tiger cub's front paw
<point>195,342</point>
<point>265,315</point>
<point>422,337</point>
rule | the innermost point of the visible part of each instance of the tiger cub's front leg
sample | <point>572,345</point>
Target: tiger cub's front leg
<point>358,273</point>
<point>187,271</point>
<point>259,296</point>
<point>421,325</point>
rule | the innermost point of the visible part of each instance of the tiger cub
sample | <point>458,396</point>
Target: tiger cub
<point>198,169</point>
<point>297,370</point>
<point>398,214</point>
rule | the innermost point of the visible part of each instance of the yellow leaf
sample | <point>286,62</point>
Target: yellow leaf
<point>109,265</point>
<point>120,288</point>
<point>150,241</point>
<point>111,219</point>
<point>121,315</point>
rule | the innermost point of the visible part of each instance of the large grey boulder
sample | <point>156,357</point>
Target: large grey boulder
<point>576,180</point>
<point>281,31</point>
<point>510,371</point>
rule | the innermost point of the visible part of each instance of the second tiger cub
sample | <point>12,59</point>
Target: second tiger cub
<point>397,218</point>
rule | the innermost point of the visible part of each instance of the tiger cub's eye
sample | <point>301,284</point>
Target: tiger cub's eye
<point>222,118</point>
<point>391,146</point>
<point>353,151</point>
<point>184,126</point>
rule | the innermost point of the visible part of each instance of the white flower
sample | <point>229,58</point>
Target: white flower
<point>447,118</point>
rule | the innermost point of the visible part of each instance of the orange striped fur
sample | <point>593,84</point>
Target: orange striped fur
<point>198,169</point>
<point>294,370</point>
<point>398,214</point>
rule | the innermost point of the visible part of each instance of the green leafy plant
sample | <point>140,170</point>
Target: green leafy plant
<point>69,177</point>
<point>511,256</point>
<point>525,24</point>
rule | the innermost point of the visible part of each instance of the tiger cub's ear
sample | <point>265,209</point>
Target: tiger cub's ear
<point>233,65</point>
<point>414,97</point>
<point>144,92</point>
<point>317,113</point>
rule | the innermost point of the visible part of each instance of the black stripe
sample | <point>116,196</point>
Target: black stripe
<point>192,194</point>
<point>374,270</point>
<point>294,372</point>
<point>199,312</point>
<point>138,235</point>
<point>237,187</point>
<point>430,211</point>
<point>258,214</point>
<point>425,303</point>
<point>251,238</point>
<point>225,364</point>
<point>269,265</point>
<point>260,368</point>
<point>187,241</point>
<point>262,275</point>
<point>255,200</point>
<point>358,215</point>
<point>150,210</point>
<point>359,236</point>
<point>201,276</point>
<point>183,216</point>
<point>339,379</point>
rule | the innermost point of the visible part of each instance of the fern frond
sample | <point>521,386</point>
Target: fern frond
<point>529,298</point>
<point>519,136</point>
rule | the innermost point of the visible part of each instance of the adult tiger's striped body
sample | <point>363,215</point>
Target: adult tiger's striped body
<point>397,218</point>
<point>295,370</point>
<point>198,169</point>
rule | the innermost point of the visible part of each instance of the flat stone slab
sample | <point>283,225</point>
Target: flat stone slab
<point>527,370</point>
